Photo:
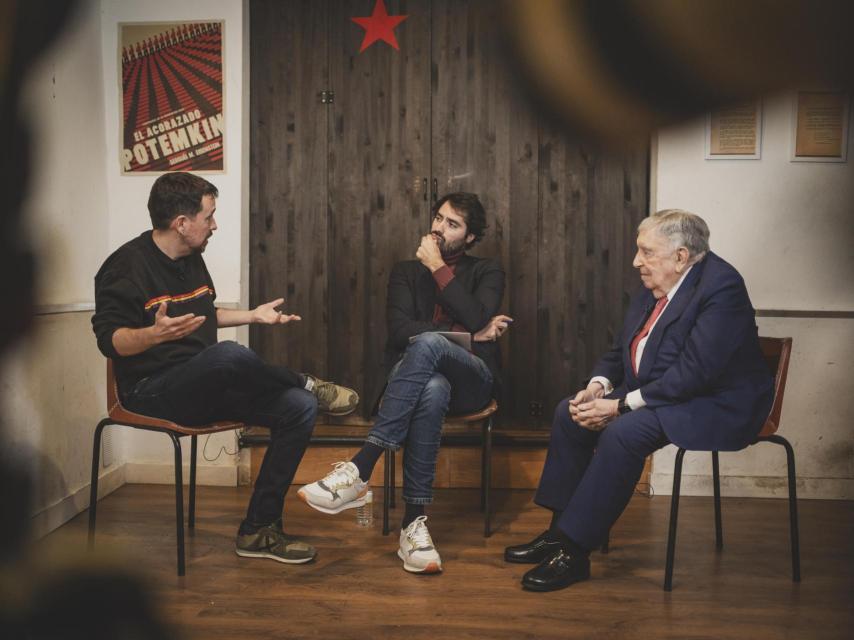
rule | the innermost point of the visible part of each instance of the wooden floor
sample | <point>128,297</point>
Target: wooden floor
<point>357,589</point>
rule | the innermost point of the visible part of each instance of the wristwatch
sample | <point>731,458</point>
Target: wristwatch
<point>623,407</point>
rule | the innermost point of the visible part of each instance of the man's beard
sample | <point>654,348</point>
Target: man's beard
<point>450,248</point>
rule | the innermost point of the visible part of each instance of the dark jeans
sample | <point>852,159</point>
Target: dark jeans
<point>433,377</point>
<point>590,476</point>
<point>228,381</point>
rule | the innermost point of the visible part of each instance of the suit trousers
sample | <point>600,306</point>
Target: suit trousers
<point>589,476</point>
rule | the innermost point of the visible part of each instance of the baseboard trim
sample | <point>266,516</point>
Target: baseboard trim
<point>757,486</point>
<point>163,473</point>
<point>56,515</point>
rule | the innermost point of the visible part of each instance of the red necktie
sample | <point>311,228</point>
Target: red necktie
<point>656,311</point>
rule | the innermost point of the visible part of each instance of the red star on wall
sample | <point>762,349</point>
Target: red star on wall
<point>380,26</point>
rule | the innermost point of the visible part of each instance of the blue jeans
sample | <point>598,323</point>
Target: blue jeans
<point>433,377</point>
<point>228,381</point>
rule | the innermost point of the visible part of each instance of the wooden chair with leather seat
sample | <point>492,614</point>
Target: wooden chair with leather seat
<point>118,415</point>
<point>777,352</point>
<point>484,438</point>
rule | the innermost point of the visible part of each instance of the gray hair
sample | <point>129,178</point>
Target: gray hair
<point>681,229</point>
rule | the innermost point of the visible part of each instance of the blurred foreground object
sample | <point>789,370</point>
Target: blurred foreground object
<point>618,69</point>
<point>71,596</point>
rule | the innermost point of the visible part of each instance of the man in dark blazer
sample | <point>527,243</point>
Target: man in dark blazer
<point>427,374</point>
<point>686,369</point>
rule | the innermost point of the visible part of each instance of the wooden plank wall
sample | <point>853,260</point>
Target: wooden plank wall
<point>338,193</point>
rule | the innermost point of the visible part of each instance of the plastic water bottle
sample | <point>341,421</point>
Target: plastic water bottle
<point>365,513</point>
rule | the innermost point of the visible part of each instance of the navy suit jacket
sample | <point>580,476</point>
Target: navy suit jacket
<point>702,371</point>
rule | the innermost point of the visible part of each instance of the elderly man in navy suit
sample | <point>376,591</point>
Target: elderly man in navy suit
<point>686,369</point>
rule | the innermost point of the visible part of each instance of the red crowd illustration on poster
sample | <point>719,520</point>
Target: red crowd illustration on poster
<point>172,97</point>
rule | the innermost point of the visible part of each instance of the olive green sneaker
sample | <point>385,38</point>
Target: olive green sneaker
<point>271,542</point>
<point>333,398</point>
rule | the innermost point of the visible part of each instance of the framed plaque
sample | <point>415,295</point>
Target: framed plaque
<point>820,126</point>
<point>735,132</point>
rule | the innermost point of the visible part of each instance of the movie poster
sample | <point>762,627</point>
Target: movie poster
<point>172,95</point>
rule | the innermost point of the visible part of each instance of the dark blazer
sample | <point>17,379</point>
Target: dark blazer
<point>471,298</point>
<point>702,370</point>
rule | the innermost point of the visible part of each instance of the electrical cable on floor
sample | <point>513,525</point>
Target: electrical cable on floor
<point>219,453</point>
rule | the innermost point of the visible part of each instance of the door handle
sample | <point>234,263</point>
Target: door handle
<point>425,189</point>
<point>435,189</point>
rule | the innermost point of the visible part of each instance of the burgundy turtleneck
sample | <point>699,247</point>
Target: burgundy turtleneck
<point>443,277</point>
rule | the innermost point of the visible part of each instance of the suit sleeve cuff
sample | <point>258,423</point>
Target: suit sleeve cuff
<point>443,276</point>
<point>635,400</point>
<point>606,384</point>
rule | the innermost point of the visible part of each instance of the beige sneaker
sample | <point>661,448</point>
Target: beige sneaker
<point>417,550</point>
<point>333,398</point>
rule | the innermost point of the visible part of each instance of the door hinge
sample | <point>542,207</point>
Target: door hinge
<point>326,97</point>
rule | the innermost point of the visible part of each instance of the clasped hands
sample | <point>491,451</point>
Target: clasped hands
<point>589,409</point>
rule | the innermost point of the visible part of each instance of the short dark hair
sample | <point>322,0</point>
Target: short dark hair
<point>177,194</point>
<point>468,205</point>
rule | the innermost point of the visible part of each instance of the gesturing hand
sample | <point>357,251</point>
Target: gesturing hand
<point>428,253</point>
<point>166,329</point>
<point>494,329</point>
<point>268,314</point>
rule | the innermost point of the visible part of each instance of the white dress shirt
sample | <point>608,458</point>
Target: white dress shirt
<point>634,398</point>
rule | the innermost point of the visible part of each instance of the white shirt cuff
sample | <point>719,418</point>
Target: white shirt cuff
<point>606,384</point>
<point>635,400</point>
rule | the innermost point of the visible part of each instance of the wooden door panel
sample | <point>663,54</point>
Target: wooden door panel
<point>379,150</point>
<point>485,141</point>
<point>287,217</point>
<point>590,205</point>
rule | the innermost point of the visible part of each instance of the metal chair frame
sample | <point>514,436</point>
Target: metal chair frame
<point>118,415</point>
<point>777,352</point>
<point>484,416</point>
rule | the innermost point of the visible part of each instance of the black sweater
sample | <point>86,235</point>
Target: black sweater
<point>471,299</point>
<point>129,288</point>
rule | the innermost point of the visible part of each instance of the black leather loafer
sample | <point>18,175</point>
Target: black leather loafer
<point>557,572</point>
<point>532,552</point>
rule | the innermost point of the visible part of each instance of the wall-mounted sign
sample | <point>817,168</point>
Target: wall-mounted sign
<point>172,97</point>
<point>820,123</point>
<point>735,132</point>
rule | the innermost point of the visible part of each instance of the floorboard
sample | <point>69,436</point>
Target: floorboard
<point>357,589</point>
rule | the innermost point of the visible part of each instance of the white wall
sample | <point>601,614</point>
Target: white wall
<point>788,227</point>
<point>52,389</point>
<point>149,455</point>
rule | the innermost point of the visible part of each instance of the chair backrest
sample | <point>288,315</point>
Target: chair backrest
<point>777,352</point>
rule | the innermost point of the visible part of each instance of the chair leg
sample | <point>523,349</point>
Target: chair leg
<point>487,484</point>
<point>483,469</point>
<point>179,501</point>
<point>386,487</point>
<point>674,514</point>
<point>392,480</point>
<point>93,486</point>
<point>793,505</point>
<point>716,480</point>
<point>191,517</point>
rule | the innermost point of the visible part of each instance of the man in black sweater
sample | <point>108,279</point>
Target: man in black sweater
<point>155,317</point>
<point>444,290</point>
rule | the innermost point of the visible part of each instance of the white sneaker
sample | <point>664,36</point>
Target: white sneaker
<point>340,489</point>
<point>417,550</point>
